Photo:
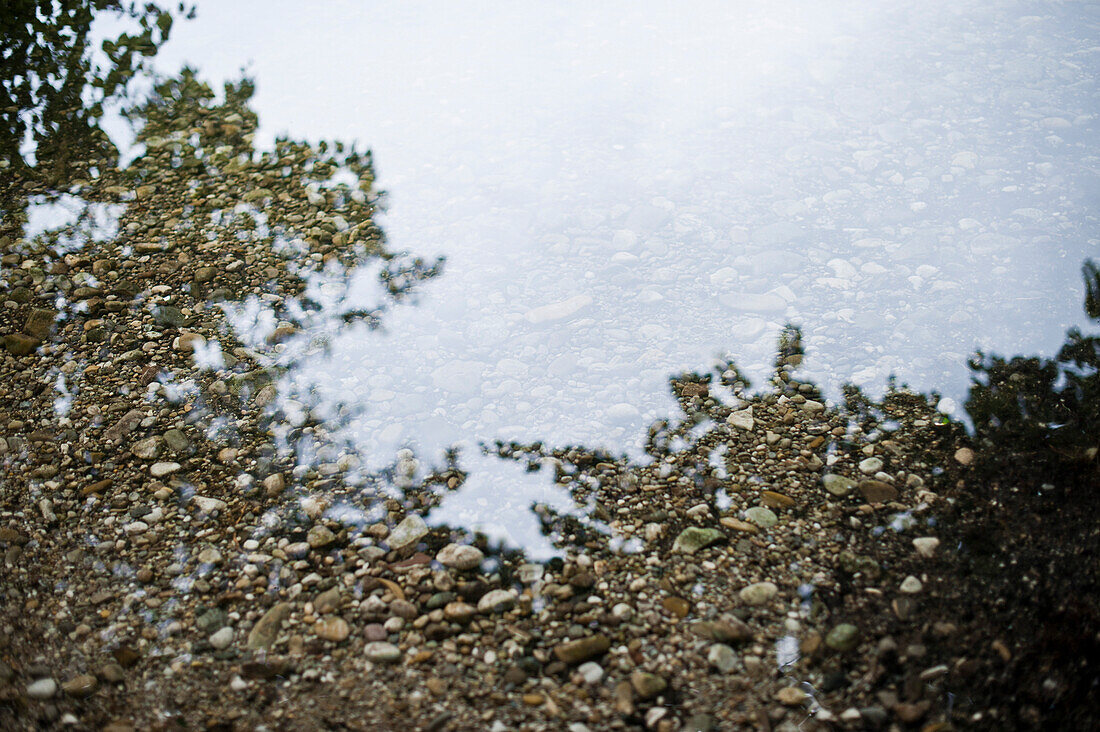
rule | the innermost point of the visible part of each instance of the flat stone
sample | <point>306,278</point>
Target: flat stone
<point>462,557</point>
<point>320,536</point>
<point>124,426</point>
<point>838,485</point>
<point>758,593</point>
<point>42,689</point>
<point>159,470</point>
<point>148,449</point>
<point>870,466</point>
<point>790,696</point>
<point>328,601</point>
<point>647,685</point>
<point>678,606</point>
<point>382,652</point>
<point>459,612</point>
<point>762,517</point>
<point>208,505</point>
<point>742,419</point>
<point>772,499</point>
<point>266,630</point>
<point>911,585</point>
<point>407,533</point>
<point>333,628</point>
<point>39,323</point>
<point>738,525</point>
<point>843,637</point>
<point>582,649</point>
<point>18,344</point>
<point>725,630</point>
<point>722,657</point>
<point>693,538</point>
<point>877,491</point>
<point>496,601</point>
<point>926,546</point>
<point>80,687</point>
<point>222,638</point>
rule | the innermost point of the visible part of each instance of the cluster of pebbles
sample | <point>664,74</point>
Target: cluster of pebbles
<point>166,564</point>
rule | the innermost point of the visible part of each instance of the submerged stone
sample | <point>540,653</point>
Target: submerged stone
<point>693,539</point>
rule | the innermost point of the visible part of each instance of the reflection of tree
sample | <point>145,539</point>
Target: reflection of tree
<point>56,91</point>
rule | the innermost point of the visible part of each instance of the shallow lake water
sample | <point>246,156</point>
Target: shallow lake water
<point>628,191</point>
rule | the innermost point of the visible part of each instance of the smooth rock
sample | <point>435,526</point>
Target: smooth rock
<point>407,533</point>
<point>926,546</point>
<point>722,657</point>
<point>462,557</point>
<point>496,601</point>
<point>742,419</point>
<point>911,585</point>
<point>159,470</point>
<point>758,593</point>
<point>332,628</point>
<point>222,638</point>
<point>692,539</point>
<point>843,637</point>
<point>80,687</point>
<point>266,630</point>
<point>870,466</point>
<point>790,696</point>
<point>208,505</point>
<point>42,689</point>
<point>149,448</point>
<point>583,649</point>
<point>838,485</point>
<point>647,685</point>
<point>320,536</point>
<point>382,652</point>
<point>877,491</point>
<point>762,517</point>
<point>591,672</point>
<point>725,630</point>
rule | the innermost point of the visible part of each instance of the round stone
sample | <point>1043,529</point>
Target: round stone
<point>843,637</point>
<point>462,557</point>
<point>381,652</point>
<point>762,517</point>
<point>759,593</point>
<point>222,638</point>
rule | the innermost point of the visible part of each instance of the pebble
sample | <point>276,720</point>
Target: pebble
<point>222,638</point>
<point>693,539</point>
<point>591,672</point>
<point>148,449</point>
<point>911,585</point>
<point>81,686</point>
<point>758,593</point>
<point>762,517</point>
<point>838,485</point>
<point>266,630</point>
<point>407,533</point>
<point>42,689</point>
<point>964,456</point>
<point>582,649</point>
<point>382,652</point>
<point>876,491</point>
<point>722,657</point>
<point>159,470</point>
<point>647,685</point>
<point>742,419</point>
<point>496,601</point>
<point>462,557</point>
<point>334,629</point>
<point>208,505</point>
<point>320,536</point>
<point>926,546</point>
<point>791,696</point>
<point>843,637</point>
<point>870,466</point>
<point>726,630</point>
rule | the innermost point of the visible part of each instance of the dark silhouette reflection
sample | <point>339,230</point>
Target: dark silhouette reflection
<point>56,93</point>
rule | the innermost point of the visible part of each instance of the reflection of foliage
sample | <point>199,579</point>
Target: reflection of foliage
<point>1035,405</point>
<point>56,91</point>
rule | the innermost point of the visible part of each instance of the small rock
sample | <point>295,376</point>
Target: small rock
<point>462,557</point>
<point>333,629</point>
<point>726,630</point>
<point>926,546</point>
<point>381,652</point>
<point>266,630</point>
<point>80,687</point>
<point>843,637</point>
<point>911,585</point>
<point>496,601</point>
<point>647,685</point>
<point>877,491</point>
<point>582,649</point>
<point>758,593</point>
<point>762,517</point>
<point>742,419</point>
<point>791,696</point>
<point>870,466</point>
<point>18,344</point>
<point>320,536</point>
<point>459,612</point>
<point>159,470</point>
<point>274,485</point>
<point>42,689</point>
<point>207,505</point>
<point>722,657</point>
<point>964,456</point>
<point>408,532</point>
<point>591,672</point>
<point>693,539</point>
<point>838,485</point>
<point>149,448</point>
<point>222,638</point>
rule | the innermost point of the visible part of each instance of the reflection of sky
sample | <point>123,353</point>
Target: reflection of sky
<point>624,190</point>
